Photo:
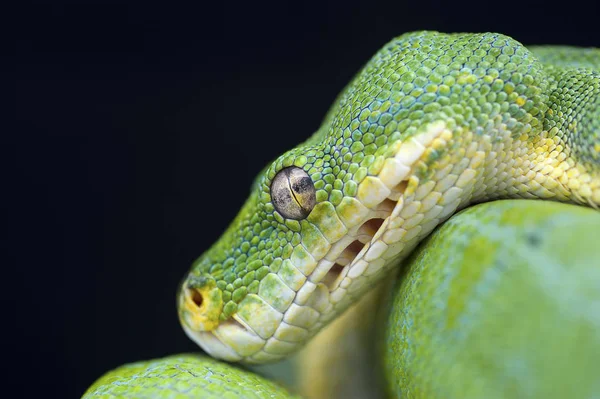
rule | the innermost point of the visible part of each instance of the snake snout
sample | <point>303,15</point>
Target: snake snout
<point>200,303</point>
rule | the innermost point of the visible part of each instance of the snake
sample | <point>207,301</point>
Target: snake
<point>501,300</point>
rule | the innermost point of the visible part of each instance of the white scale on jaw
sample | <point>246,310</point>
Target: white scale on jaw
<point>395,212</point>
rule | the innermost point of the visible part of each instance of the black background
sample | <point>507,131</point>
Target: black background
<point>139,130</point>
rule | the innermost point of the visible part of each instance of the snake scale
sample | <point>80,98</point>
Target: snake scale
<point>432,124</point>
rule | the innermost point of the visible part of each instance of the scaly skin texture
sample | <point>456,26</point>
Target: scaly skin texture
<point>500,302</point>
<point>433,123</point>
<point>184,377</point>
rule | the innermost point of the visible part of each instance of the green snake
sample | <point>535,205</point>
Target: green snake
<point>432,124</point>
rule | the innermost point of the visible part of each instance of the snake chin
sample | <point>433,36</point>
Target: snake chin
<point>210,344</point>
<point>231,341</point>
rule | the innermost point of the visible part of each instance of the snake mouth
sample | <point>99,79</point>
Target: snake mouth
<point>234,340</point>
<point>211,344</point>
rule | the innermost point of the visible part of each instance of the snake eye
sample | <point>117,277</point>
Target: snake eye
<point>293,193</point>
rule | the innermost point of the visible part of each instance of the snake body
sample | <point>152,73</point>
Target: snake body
<point>509,306</point>
<point>433,123</point>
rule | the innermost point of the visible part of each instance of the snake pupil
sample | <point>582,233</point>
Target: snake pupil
<point>302,185</point>
<point>293,193</point>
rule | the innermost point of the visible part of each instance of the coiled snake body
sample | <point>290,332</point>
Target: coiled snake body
<point>432,124</point>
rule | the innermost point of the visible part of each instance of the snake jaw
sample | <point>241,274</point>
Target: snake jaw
<point>232,340</point>
<point>211,344</point>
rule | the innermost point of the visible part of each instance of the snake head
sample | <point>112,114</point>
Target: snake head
<point>281,271</point>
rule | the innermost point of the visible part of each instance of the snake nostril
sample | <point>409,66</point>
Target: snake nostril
<point>196,297</point>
